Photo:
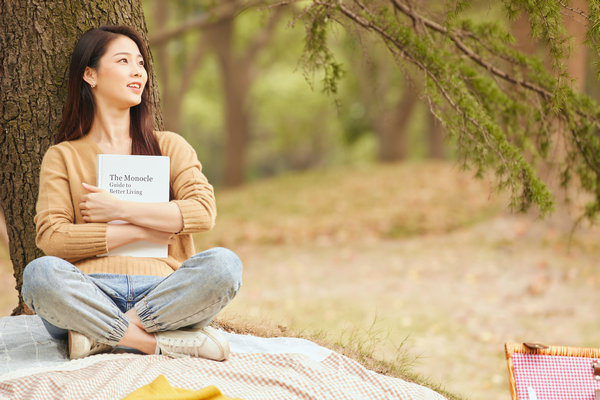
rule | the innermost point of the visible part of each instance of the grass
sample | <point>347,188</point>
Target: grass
<point>364,202</point>
<point>355,347</point>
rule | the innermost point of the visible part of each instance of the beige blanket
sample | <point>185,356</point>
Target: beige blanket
<point>258,368</point>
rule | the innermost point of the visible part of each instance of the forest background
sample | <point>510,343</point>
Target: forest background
<point>363,188</point>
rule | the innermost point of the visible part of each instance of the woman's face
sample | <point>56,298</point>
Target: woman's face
<point>120,77</point>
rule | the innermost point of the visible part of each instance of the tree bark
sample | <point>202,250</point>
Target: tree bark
<point>162,60</point>
<point>3,231</point>
<point>36,41</point>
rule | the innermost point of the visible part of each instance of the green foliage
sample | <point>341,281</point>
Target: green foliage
<point>546,25</point>
<point>294,127</point>
<point>317,55</point>
<point>593,33</point>
<point>291,126</point>
<point>506,111</point>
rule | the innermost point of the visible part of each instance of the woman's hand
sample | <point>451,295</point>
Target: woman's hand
<point>99,205</point>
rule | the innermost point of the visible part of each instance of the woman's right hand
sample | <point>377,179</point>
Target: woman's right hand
<point>98,205</point>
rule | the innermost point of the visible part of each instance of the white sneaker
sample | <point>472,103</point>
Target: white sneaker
<point>206,342</point>
<point>81,346</point>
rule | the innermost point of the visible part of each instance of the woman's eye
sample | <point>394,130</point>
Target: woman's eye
<point>122,60</point>
<point>141,63</point>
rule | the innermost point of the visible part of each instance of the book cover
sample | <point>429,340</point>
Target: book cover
<point>140,179</point>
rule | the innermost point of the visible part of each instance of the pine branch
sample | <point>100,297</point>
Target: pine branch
<point>399,48</point>
<point>574,10</point>
<point>456,38</point>
<point>497,114</point>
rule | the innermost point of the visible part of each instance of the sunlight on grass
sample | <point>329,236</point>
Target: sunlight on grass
<point>365,202</point>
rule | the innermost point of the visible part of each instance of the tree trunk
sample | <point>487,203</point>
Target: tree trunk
<point>162,63</point>
<point>577,27</point>
<point>437,149</point>
<point>392,127</point>
<point>36,41</point>
<point>375,75</point>
<point>236,79</point>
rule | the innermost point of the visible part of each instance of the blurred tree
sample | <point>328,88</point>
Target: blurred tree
<point>217,24</point>
<point>289,125</point>
<point>388,95</point>
<point>176,66</point>
<point>237,75</point>
<point>392,97</point>
<point>496,102</point>
<point>575,65</point>
<point>36,41</point>
<point>437,147</point>
<point>576,24</point>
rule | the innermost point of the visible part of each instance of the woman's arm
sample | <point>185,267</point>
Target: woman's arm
<point>194,196</point>
<point>118,235</point>
<point>57,234</point>
<point>100,206</point>
<point>192,210</point>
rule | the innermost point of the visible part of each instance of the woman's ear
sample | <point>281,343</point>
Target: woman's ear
<point>89,75</point>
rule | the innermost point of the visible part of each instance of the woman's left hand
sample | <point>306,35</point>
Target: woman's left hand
<point>99,205</point>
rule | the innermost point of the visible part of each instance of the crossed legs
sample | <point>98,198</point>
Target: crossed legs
<point>191,296</point>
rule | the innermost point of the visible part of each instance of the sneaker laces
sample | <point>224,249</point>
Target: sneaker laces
<point>179,348</point>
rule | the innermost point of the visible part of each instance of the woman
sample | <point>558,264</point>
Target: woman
<point>157,306</point>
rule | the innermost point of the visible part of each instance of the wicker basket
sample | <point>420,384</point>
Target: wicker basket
<point>580,363</point>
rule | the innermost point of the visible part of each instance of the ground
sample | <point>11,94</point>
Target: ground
<point>415,264</point>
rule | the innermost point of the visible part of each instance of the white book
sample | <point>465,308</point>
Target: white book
<point>143,179</point>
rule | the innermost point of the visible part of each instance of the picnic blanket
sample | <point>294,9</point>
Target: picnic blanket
<point>35,366</point>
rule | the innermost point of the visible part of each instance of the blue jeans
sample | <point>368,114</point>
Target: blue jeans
<point>95,304</point>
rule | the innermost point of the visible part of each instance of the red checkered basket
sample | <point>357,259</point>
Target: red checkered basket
<point>538,372</point>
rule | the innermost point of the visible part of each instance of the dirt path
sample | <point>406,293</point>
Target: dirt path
<point>455,299</point>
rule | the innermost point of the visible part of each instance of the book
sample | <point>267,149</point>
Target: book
<point>135,178</point>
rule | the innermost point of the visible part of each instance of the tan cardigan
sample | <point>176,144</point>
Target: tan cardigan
<point>61,231</point>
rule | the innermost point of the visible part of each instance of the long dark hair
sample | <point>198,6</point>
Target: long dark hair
<point>78,111</point>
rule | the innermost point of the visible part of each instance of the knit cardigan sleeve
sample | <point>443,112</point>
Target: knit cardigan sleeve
<point>58,234</point>
<point>193,194</point>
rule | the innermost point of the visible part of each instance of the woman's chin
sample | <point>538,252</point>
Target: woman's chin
<point>132,102</point>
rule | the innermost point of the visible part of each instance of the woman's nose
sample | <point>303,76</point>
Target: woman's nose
<point>137,70</point>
